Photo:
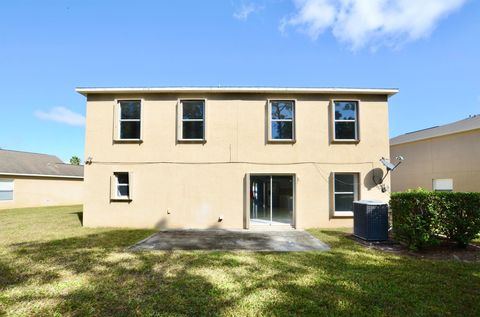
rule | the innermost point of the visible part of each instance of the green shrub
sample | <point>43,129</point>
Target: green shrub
<point>415,218</point>
<point>460,216</point>
<point>419,216</point>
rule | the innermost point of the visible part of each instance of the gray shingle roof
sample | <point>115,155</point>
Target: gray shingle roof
<point>464,125</point>
<point>26,163</point>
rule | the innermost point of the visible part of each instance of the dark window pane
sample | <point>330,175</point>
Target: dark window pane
<point>130,109</point>
<point>345,130</point>
<point>260,197</point>
<point>193,109</point>
<point>344,202</point>
<point>282,109</point>
<point>282,130</point>
<point>6,195</point>
<point>344,183</point>
<point>122,191</point>
<point>122,178</point>
<point>130,130</point>
<point>345,110</point>
<point>193,130</point>
<point>282,199</point>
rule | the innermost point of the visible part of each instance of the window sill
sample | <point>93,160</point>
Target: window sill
<point>346,141</point>
<point>273,141</point>
<point>192,141</point>
<point>138,141</point>
<point>119,199</point>
<point>343,214</point>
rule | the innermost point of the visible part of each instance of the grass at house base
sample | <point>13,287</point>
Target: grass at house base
<point>50,265</point>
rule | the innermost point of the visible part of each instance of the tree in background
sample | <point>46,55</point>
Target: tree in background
<point>75,160</point>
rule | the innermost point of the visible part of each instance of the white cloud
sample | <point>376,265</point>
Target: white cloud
<point>63,115</point>
<point>360,23</point>
<point>245,10</point>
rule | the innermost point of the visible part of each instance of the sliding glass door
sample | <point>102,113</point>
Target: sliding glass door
<point>271,199</point>
<point>260,198</point>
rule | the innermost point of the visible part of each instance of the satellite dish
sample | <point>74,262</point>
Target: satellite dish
<point>387,164</point>
<point>390,167</point>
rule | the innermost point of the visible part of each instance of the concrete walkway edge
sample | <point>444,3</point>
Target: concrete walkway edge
<point>231,240</point>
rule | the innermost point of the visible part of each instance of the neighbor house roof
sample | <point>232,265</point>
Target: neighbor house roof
<point>291,90</point>
<point>471,123</point>
<point>18,163</point>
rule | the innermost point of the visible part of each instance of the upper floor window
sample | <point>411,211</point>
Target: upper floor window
<point>346,120</point>
<point>130,122</point>
<point>282,120</point>
<point>192,124</point>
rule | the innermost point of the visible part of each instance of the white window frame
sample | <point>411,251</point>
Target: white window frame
<point>181,120</point>
<point>12,182</point>
<point>434,183</point>
<point>357,112</point>
<point>118,184</point>
<point>248,198</point>
<point>356,193</point>
<point>271,120</point>
<point>120,120</point>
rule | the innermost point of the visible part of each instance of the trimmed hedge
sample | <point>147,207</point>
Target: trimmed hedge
<point>420,216</point>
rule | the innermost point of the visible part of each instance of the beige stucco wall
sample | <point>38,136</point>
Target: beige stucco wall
<point>43,191</point>
<point>189,185</point>
<point>455,156</point>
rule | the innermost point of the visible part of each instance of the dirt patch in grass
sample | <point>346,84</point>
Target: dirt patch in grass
<point>445,250</point>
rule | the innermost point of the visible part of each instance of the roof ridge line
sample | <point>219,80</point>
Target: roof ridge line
<point>30,152</point>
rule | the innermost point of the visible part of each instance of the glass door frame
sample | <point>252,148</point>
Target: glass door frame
<point>247,196</point>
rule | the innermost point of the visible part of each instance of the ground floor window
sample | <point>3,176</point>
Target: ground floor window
<point>121,186</point>
<point>443,185</point>
<point>6,189</point>
<point>345,192</point>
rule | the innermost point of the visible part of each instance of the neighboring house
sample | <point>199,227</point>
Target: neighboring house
<point>33,179</point>
<point>232,157</point>
<point>442,158</point>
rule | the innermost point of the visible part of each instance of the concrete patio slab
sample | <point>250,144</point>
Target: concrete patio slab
<point>231,240</point>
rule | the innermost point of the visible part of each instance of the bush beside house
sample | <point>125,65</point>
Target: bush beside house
<point>420,216</point>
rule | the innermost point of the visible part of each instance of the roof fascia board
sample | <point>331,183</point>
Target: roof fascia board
<point>40,175</point>
<point>85,91</point>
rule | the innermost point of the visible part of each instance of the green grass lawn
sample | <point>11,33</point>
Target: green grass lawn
<point>51,266</point>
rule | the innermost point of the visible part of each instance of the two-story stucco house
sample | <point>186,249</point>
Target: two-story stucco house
<point>241,157</point>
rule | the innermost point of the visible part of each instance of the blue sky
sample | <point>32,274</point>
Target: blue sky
<point>428,49</point>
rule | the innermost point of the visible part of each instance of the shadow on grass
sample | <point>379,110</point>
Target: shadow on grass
<point>346,281</point>
<point>80,217</point>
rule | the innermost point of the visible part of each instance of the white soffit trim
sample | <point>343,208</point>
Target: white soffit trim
<point>307,90</point>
